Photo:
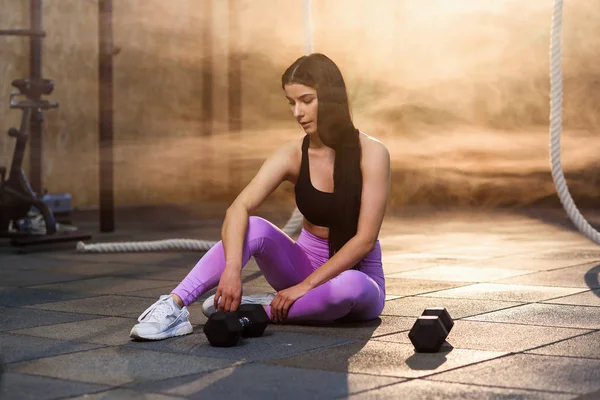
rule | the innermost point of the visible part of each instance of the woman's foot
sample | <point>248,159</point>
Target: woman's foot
<point>177,300</point>
<point>208,307</point>
<point>162,320</point>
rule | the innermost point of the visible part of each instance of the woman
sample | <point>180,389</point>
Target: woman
<point>342,183</point>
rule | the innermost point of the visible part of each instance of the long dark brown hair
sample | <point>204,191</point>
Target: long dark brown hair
<point>336,130</point>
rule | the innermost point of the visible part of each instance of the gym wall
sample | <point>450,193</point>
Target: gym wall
<point>161,153</point>
<point>458,93</point>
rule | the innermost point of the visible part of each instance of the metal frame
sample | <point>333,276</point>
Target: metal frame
<point>105,114</point>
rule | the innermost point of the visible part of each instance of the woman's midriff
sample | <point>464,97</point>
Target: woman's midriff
<point>371,264</point>
<point>319,231</point>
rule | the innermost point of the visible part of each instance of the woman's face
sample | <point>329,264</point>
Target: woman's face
<point>304,104</point>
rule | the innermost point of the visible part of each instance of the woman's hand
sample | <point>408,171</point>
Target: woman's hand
<point>284,300</point>
<point>229,290</point>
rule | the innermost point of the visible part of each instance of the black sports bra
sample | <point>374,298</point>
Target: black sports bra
<point>316,206</point>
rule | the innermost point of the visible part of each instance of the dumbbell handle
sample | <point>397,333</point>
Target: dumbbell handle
<point>245,322</point>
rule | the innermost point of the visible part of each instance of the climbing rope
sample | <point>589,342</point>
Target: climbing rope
<point>556,101</point>
<point>291,227</point>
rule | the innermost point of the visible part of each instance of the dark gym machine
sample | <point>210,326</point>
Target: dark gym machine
<point>18,195</point>
<point>105,100</point>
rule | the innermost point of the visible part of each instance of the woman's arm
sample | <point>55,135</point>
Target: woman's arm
<point>276,169</point>
<point>375,194</point>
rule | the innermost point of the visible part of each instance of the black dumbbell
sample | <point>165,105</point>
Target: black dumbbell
<point>431,330</point>
<point>224,328</point>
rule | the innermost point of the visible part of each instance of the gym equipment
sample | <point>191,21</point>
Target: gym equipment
<point>17,198</point>
<point>224,329</point>
<point>36,34</point>
<point>59,204</point>
<point>431,330</point>
<point>20,196</point>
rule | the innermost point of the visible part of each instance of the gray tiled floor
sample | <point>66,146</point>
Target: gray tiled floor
<point>546,315</point>
<point>507,292</point>
<point>22,348</point>
<point>522,288</point>
<point>563,277</point>
<point>458,308</point>
<point>124,394</point>
<point>410,287</point>
<point>498,337</point>
<point>100,330</point>
<point>119,365</point>
<point>20,297</point>
<point>453,273</point>
<point>529,371</point>
<point>32,387</point>
<point>587,298</point>
<point>385,325</point>
<point>268,346</point>
<point>19,318</point>
<point>586,345</point>
<point>240,382</point>
<point>425,389</point>
<point>109,305</point>
<point>104,285</point>
<point>381,358</point>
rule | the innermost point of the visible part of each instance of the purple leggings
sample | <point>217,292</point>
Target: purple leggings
<point>352,295</point>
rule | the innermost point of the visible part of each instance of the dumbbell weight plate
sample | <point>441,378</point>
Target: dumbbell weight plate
<point>223,329</point>
<point>428,334</point>
<point>444,315</point>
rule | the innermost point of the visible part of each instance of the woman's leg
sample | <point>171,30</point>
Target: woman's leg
<point>350,294</point>
<point>285,263</point>
<point>282,262</point>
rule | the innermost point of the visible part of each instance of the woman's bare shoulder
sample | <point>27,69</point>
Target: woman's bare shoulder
<point>372,146</point>
<point>292,149</point>
<point>289,156</point>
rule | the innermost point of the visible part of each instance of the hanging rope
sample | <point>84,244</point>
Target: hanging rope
<point>556,101</point>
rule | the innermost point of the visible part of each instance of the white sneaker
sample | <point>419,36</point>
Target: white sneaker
<point>208,307</point>
<point>163,319</point>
